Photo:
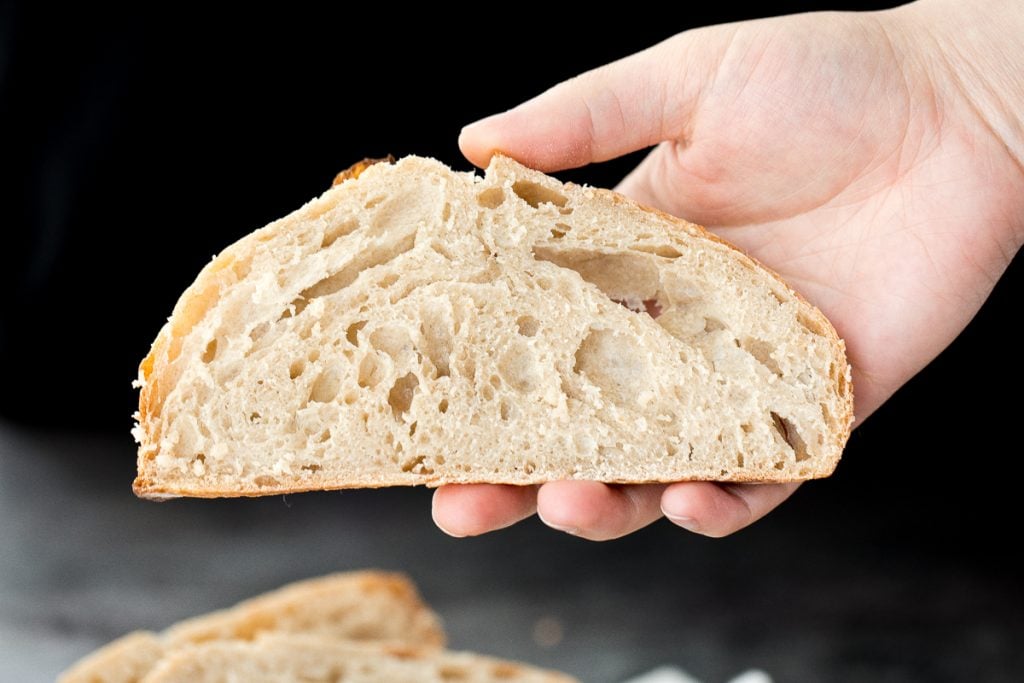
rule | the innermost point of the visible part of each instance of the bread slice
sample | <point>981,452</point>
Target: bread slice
<point>420,326</point>
<point>125,660</point>
<point>284,659</point>
<point>353,606</point>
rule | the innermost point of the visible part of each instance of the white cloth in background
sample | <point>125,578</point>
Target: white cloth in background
<point>672,674</point>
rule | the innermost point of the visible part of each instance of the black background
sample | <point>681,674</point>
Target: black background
<point>134,147</point>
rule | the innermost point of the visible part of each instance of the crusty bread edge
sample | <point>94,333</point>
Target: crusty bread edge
<point>181,634</point>
<point>367,581</point>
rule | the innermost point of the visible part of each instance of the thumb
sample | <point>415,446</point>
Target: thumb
<point>613,110</point>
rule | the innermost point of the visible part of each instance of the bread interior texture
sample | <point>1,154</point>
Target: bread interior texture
<point>422,326</point>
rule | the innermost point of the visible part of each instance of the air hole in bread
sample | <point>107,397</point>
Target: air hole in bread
<point>296,368</point>
<point>560,230</point>
<point>401,395</point>
<point>388,280</point>
<point>788,431</point>
<point>487,392</point>
<point>436,331</point>
<point>442,407</point>
<point>529,467</point>
<point>506,671</point>
<point>527,325</point>
<point>442,250</point>
<point>311,467</point>
<point>629,278</point>
<point>326,385</point>
<point>762,353</point>
<point>265,481</point>
<point>370,372</point>
<point>467,367</point>
<point>332,233</point>
<point>258,331</point>
<point>352,333</point>
<point>713,325</point>
<point>210,352</point>
<point>294,308</point>
<point>739,460</point>
<point>491,198</point>
<point>374,201</point>
<point>392,340</point>
<point>662,250</point>
<point>536,194</point>
<point>451,672</point>
<point>255,417</point>
<point>371,257</point>
<point>519,368</point>
<point>505,411</point>
<point>826,413</point>
<point>417,465</point>
<point>614,364</point>
<point>813,325</point>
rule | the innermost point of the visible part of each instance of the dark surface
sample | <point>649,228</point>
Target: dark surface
<point>135,145</point>
<point>840,584</point>
<point>116,130</point>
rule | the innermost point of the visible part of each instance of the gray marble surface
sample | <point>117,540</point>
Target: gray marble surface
<point>819,591</point>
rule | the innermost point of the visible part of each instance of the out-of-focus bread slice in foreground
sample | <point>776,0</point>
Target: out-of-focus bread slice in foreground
<point>353,606</point>
<point>125,660</point>
<point>295,659</point>
<point>369,605</point>
<point>420,326</point>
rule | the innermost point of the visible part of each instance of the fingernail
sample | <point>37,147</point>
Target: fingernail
<point>450,533</point>
<point>688,523</point>
<point>571,530</point>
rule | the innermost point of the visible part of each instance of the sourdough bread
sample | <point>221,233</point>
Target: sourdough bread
<point>347,607</point>
<point>415,325</point>
<point>287,659</point>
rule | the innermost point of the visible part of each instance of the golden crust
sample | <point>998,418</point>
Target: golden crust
<point>248,619</point>
<point>356,169</point>
<point>132,656</point>
<point>128,658</point>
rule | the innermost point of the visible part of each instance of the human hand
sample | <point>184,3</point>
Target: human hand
<point>874,160</point>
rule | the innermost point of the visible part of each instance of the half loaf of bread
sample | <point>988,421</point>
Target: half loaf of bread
<point>304,659</point>
<point>365,606</point>
<point>420,326</point>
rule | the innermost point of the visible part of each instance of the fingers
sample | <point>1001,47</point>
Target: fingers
<point>602,512</point>
<point>473,509</point>
<point>615,109</point>
<point>596,511</point>
<point>720,509</point>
